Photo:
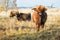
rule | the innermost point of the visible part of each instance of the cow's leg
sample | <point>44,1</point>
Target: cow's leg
<point>37,27</point>
<point>42,25</point>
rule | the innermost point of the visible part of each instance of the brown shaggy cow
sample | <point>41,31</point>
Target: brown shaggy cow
<point>39,16</point>
<point>20,16</point>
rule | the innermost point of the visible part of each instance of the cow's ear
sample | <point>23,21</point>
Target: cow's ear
<point>45,9</point>
<point>34,9</point>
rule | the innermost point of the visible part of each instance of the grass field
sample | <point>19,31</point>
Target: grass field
<point>12,29</point>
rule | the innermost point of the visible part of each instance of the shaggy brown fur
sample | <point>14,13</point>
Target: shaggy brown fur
<point>39,16</point>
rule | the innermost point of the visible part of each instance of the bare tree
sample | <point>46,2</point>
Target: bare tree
<point>14,3</point>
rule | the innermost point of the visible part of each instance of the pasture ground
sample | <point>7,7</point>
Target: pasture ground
<point>12,29</point>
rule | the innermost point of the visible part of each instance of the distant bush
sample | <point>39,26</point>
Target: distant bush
<point>2,9</point>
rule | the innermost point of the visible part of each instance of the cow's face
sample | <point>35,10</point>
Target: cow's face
<point>13,13</point>
<point>42,8</point>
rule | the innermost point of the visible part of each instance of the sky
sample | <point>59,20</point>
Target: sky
<point>32,3</point>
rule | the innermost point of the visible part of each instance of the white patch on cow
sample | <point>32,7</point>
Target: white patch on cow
<point>40,14</point>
